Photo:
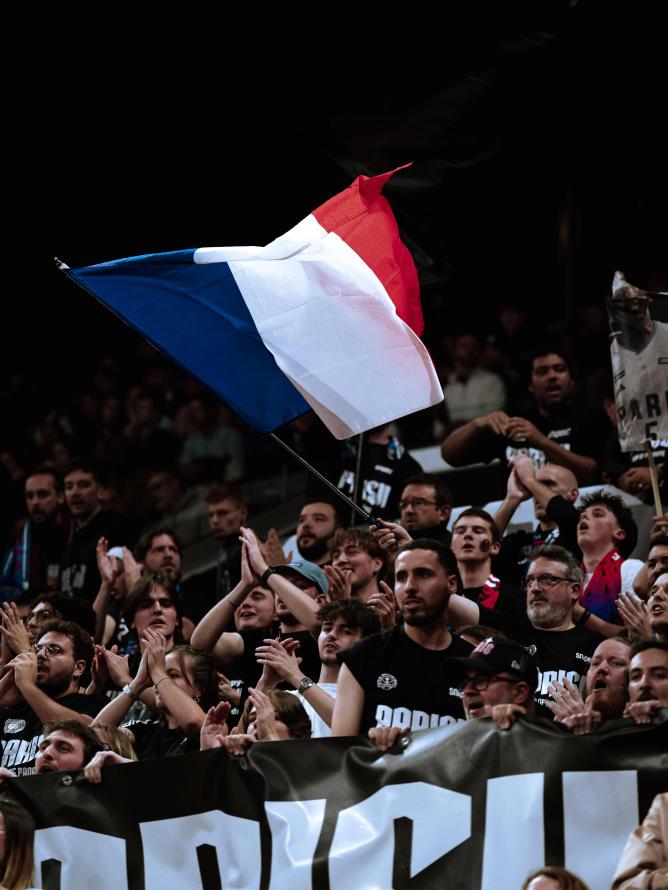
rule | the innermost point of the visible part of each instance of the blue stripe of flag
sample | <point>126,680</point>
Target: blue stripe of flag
<point>196,314</point>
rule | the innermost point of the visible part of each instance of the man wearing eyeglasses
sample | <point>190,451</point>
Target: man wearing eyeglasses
<point>48,681</point>
<point>562,650</point>
<point>497,672</point>
<point>426,505</point>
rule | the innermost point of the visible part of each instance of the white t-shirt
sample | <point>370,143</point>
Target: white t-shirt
<point>319,729</point>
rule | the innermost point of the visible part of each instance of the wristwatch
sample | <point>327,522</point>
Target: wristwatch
<point>133,695</point>
<point>265,576</point>
<point>304,684</point>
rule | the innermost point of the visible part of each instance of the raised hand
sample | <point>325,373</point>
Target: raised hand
<point>279,662</point>
<point>583,721</point>
<point>273,550</point>
<point>108,566</point>
<point>567,700</point>
<point>265,716</point>
<point>214,728</point>
<point>155,651</point>
<point>117,666</point>
<point>13,630</point>
<point>635,616</point>
<point>340,583</point>
<point>256,560</point>
<point>385,606</point>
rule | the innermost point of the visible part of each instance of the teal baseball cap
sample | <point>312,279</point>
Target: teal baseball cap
<point>308,570</point>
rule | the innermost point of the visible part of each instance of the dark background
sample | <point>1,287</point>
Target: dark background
<point>535,131</point>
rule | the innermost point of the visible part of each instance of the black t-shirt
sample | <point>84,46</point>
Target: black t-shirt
<point>154,739</point>
<point>385,469</point>
<point>21,730</point>
<point>404,683</point>
<point>434,533</point>
<point>79,575</point>
<point>559,655</point>
<point>583,432</point>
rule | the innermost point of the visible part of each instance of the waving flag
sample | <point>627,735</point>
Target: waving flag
<point>323,317</point>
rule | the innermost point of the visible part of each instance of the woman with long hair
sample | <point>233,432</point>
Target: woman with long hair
<point>184,681</point>
<point>17,833</point>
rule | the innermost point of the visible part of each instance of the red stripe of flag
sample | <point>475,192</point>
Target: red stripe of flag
<point>362,218</point>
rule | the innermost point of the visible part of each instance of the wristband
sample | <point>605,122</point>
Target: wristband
<point>265,576</point>
<point>583,618</point>
<point>128,691</point>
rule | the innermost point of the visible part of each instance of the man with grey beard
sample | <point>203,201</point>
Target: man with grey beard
<point>562,649</point>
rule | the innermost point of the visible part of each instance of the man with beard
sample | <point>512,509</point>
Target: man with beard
<point>648,681</point>
<point>606,689</point>
<point>33,561</point>
<point>318,523</point>
<point>553,432</point>
<point>405,677</point>
<point>48,680</point>
<point>344,623</point>
<point>561,649</point>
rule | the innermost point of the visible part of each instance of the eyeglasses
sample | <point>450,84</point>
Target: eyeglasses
<point>49,649</point>
<point>42,615</point>
<point>417,503</point>
<point>482,681</point>
<point>545,579</point>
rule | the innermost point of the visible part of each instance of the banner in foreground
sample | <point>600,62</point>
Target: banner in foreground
<point>461,807</point>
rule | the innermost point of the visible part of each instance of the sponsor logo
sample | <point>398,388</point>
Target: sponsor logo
<point>14,725</point>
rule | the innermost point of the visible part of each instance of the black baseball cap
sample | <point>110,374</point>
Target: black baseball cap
<point>498,654</point>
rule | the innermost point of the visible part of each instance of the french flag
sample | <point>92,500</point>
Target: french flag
<point>324,317</point>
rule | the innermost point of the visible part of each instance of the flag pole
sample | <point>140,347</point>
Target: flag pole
<point>358,472</point>
<point>325,481</point>
<point>654,476</point>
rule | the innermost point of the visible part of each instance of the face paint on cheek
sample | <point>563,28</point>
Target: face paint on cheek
<point>485,545</point>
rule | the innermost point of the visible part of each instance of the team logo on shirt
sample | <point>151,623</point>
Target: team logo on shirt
<point>531,649</point>
<point>386,682</point>
<point>14,724</point>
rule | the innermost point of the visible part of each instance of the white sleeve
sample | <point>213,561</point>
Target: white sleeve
<point>630,568</point>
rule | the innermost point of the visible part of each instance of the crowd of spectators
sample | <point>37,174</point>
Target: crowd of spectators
<point>109,655</point>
